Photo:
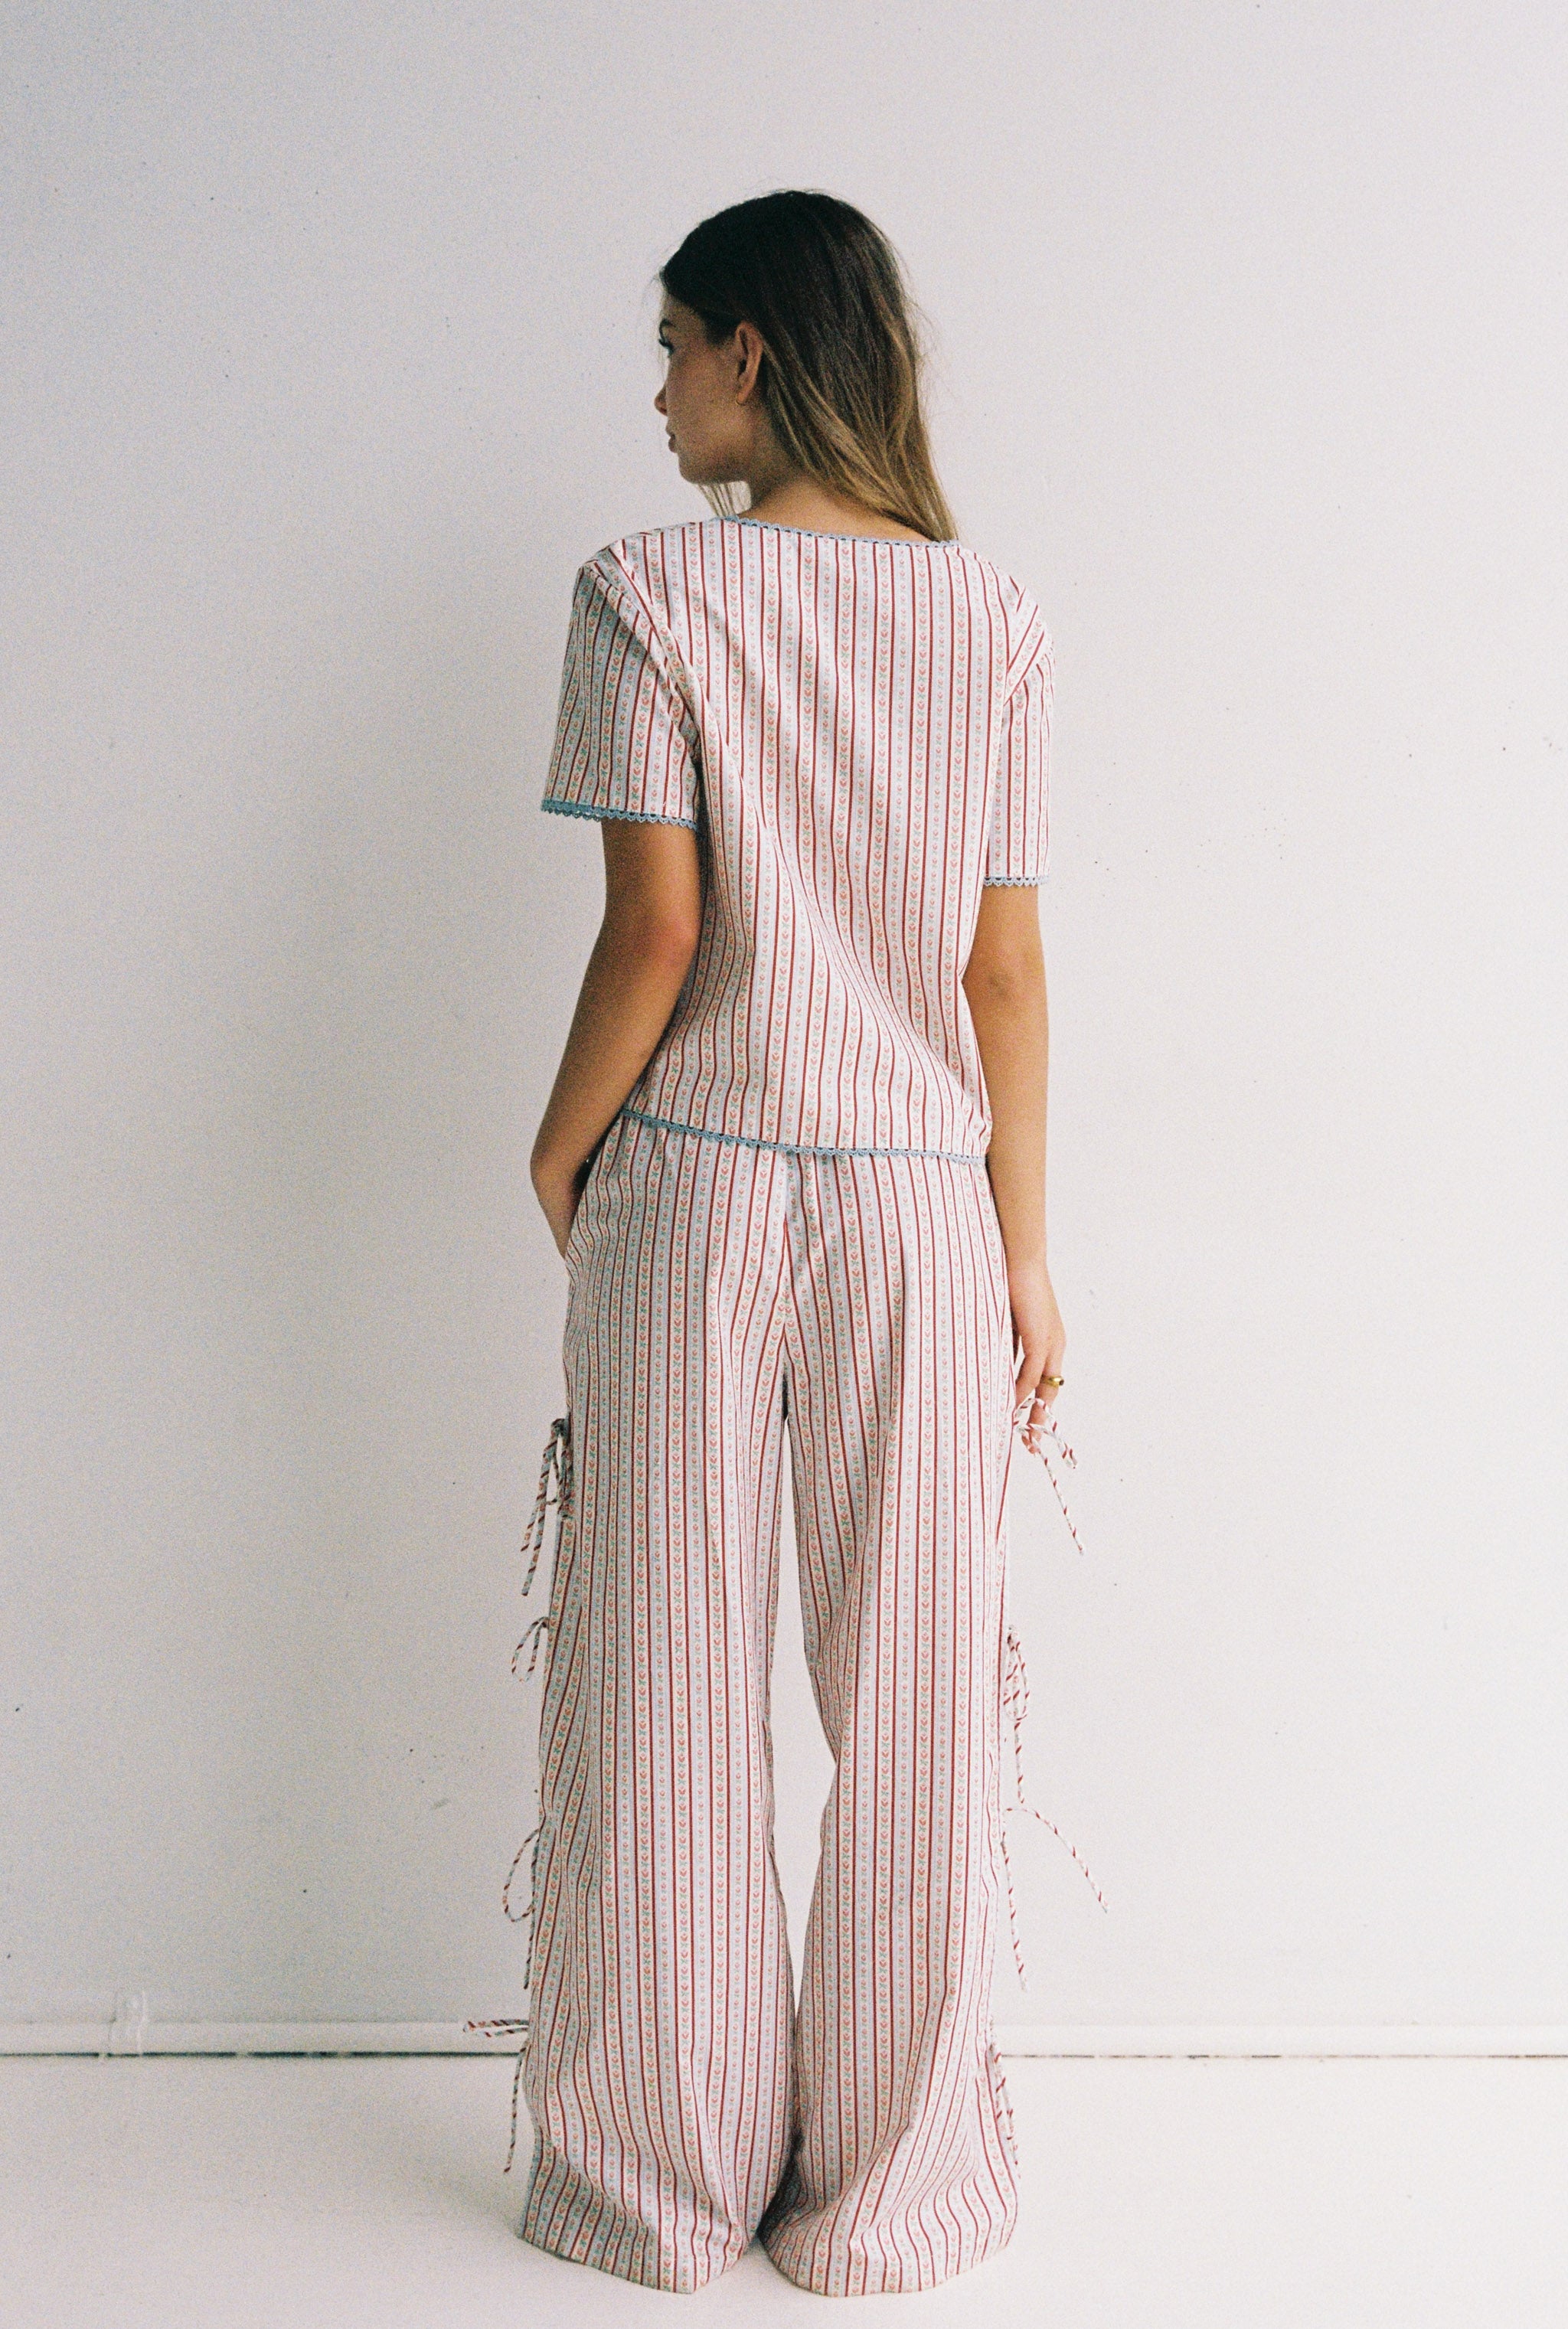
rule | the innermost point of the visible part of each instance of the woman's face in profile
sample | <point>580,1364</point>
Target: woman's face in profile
<point>706,398</point>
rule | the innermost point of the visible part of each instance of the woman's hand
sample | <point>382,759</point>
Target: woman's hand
<point>1037,1324</point>
<point>559,1194</point>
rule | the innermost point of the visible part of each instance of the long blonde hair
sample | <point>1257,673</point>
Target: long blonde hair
<point>842,363</point>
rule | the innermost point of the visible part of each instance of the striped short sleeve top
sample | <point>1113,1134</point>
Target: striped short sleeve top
<point>859,731</point>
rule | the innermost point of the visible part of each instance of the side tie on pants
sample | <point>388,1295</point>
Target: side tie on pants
<point>1015,1680</point>
<point>557,1459</point>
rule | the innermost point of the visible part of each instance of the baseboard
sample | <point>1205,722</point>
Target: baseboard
<point>1263,2041</point>
<point>133,2033</point>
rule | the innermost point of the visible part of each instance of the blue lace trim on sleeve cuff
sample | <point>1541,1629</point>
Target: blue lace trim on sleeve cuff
<point>617,816</point>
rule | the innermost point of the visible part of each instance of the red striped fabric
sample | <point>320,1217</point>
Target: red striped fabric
<point>732,1308</point>
<point>860,731</point>
<point>787,1250</point>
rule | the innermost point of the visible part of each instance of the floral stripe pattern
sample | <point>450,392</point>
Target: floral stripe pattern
<point>732,1309</point>
<point>859,733</point>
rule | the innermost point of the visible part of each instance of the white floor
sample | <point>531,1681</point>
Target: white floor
<point>175,2192</point>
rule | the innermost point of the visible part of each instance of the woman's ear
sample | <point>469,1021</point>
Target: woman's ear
<point>749,353</point>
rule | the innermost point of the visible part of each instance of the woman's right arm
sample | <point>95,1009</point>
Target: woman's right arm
<point>1005,983</point>
<point>653,910</point>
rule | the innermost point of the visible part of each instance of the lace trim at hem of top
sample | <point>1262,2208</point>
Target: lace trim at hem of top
<point>799,1147</point>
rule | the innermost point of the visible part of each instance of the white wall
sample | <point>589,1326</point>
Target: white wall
<point>330,357</point>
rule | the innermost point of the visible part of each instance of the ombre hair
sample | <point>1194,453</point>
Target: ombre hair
<point>840,376</point>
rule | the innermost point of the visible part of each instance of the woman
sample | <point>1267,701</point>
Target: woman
<point>795,1160</point>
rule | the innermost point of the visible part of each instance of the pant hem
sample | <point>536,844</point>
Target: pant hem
<point>592,2229</point>
<point>868,2277</point>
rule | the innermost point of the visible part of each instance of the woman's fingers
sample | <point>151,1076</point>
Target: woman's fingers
<point>1033,1385</point>
<point>1037,1324</point>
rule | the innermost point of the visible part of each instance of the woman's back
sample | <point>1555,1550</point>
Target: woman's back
<point>859,727</point>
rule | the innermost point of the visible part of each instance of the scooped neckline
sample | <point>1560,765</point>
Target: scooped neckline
<point>821,533</point>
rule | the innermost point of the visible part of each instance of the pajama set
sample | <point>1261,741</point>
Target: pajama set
<point>787,1244</point>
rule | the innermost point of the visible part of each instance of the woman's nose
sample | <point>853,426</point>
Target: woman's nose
<point>659,402</point>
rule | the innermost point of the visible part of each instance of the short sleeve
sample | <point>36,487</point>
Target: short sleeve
<point>626,745</point>
<point>1020,830</point>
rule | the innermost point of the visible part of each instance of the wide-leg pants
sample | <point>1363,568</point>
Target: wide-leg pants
<point>728,1299</point>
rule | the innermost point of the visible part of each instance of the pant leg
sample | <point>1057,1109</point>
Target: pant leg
<point>658,2063</point>
<point>900,1354</point>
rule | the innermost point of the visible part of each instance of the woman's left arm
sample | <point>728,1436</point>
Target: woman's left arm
<point>653,910</point>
